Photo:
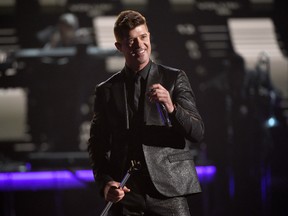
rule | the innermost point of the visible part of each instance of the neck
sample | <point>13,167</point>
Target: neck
<point>136,68</point>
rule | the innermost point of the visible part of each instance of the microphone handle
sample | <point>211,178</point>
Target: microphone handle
<point>109,204</point>
<point>163,114</point>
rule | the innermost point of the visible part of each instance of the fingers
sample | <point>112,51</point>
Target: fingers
<point>159,94</point>
<point>113,192</point>
<point>126,190</point>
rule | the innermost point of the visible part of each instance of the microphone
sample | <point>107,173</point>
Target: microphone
<point>135,165</point>
<point>163,114</point>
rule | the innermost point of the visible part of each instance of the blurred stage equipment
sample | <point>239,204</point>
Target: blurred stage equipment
<point>13,112</point>
<point>252,37</point>
<point>104,36</point>
<point>265,85</point>
<point>64,51</point>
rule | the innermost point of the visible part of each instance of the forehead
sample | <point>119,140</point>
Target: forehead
<point>137,31</point>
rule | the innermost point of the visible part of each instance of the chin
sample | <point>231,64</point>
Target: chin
<point>143,61</point>
<point>143,58</point>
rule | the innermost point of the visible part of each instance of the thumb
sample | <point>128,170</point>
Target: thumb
<point>125,189</point>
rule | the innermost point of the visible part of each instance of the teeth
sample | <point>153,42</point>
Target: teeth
<point>138,52</point>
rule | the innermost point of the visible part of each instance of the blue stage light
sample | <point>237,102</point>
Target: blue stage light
<point>65,179</point>
<point>271,122</point>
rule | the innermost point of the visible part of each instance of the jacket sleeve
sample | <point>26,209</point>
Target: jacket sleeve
<point>185,116</point>
<point>98,143</point>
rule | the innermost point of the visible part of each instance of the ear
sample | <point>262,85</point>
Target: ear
<point>118,46</point>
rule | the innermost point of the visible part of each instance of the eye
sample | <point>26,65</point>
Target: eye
<point>144,37</point>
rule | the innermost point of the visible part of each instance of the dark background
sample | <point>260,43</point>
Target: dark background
<point>250,158</point>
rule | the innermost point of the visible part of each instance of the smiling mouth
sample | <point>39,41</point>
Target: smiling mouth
<point>138,52</point>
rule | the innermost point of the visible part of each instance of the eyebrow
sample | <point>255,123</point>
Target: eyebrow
<point>144,34</point>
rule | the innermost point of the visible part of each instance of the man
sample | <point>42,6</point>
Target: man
<point>127,126</point>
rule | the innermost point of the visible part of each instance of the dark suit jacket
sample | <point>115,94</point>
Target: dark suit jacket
<point>167,150</point>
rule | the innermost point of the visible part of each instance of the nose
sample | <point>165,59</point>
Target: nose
<point>138,42</point>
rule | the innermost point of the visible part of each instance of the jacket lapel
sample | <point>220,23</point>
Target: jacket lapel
<point>118,90</point>
<point>151,114</point>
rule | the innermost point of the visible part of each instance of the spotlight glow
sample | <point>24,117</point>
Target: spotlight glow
<point>271,122</point>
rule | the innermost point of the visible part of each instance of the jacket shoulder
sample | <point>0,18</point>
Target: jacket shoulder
<point>170,72</point>
<point>167,68</point>
<point>112,79</point>
<point>169,75</point>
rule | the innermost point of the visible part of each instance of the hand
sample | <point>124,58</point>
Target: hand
<point>159,94</point>
<point>113,193</point>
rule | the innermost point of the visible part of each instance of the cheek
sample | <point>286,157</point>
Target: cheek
<point>148,44</point>
<point>126,51</point>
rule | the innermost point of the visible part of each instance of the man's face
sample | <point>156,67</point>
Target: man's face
<point>136,47</point>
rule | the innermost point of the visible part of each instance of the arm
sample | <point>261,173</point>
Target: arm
<point>181,106</point>
<point>98,143</point>
<point>99,150</point>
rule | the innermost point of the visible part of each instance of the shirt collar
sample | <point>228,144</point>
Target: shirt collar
<point>143,73</point>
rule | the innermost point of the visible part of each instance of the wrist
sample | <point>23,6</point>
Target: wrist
<point>173,110</point>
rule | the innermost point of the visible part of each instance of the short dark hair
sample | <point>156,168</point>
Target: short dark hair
<point>126,21</point>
